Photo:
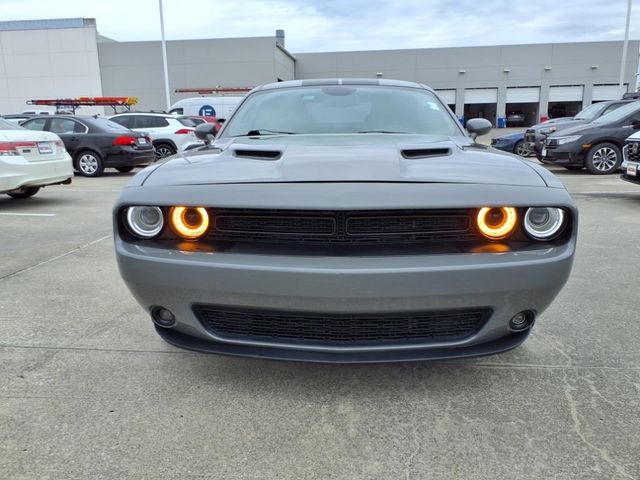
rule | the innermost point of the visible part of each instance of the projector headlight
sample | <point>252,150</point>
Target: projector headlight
<point>497,223</point>
<point>144,221</point>
<point>189,223</point>
<point>544,223</point>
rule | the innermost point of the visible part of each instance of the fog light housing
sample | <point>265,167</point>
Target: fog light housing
<point>522,321</point>
<point>163,317</point>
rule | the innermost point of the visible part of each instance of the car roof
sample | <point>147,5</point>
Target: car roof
<point>322,82</point>
<point>153,114</point>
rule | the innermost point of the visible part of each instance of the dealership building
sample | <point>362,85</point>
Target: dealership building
<point>61,58</point>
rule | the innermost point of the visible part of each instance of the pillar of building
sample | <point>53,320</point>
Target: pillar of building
<point>543,106</point>
<point>587,95</point>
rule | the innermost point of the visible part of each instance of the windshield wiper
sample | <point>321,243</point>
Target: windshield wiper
<point>384,131</point>
<point>264,131</point>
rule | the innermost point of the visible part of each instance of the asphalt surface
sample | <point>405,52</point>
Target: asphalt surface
<point>88,390</point>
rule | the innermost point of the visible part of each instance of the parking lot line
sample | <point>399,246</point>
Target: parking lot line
<point>10,214</point>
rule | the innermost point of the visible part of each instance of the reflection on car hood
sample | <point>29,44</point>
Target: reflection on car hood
<point>346,158</point>
<point>560,124</point>
<point>511,136</point>
<point>577,129</point>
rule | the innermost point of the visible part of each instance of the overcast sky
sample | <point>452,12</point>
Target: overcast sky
<point>316,25</point>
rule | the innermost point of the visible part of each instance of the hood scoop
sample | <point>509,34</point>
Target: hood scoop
<point>415,153</point>
<point>257,152</point>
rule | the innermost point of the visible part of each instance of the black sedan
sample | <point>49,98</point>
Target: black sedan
<point>96,143</point>
<point>596,146</point>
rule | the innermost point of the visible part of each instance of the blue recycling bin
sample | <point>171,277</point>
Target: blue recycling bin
<point>461,120</point>
<point>502,122</point>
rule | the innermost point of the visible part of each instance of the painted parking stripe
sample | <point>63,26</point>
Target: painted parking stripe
<point>9,214</point>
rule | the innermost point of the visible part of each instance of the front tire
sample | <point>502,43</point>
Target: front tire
<point>603,159</point>
<point>24,192</point>
<point>124,169</point>
<point>89,164</point>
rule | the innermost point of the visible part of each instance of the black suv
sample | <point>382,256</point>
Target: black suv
<point>96,143</point>
<point>597,146</point>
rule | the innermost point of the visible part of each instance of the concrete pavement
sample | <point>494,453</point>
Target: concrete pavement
<point>89,391</point>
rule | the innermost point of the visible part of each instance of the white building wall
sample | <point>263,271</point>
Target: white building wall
<point>48,63</point>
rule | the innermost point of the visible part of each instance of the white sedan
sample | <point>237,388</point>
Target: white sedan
<point>30,160</point>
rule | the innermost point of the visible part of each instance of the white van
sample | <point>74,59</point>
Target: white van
<point>221,106</point>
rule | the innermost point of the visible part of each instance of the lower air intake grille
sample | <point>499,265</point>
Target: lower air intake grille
<point>340,329</point>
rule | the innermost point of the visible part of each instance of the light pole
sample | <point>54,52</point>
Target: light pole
<point>623,64</point>
<point>164,58</point>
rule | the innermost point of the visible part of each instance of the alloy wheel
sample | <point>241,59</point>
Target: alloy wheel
<point>163,151</point>
<point>522,149</point>
<point>605,159</point>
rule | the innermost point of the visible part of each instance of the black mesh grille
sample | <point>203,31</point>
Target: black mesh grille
<point>633,151</point>
<point>342,227</point>
<point>401,224</point>
<point>275,224</point>
<point>341,329</point>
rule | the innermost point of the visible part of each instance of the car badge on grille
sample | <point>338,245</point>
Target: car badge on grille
<point>634,148</point>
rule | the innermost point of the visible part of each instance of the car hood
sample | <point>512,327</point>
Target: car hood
<point>511,136</point>
<point>577,129</point>
<point>560,124</point>
<point>346,158</point>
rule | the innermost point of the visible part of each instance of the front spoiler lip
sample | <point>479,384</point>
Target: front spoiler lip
<point>188,342</point>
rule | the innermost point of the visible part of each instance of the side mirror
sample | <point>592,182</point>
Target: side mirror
<point>205,132</point>
<point>478,126</point>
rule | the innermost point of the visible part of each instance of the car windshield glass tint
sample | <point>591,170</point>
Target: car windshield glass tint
<point>340,109</point>
<point>7,125</point>
<point>619,114</point>
<point>590,112</point>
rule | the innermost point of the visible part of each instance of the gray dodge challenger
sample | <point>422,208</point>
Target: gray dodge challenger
<point>345,221</point>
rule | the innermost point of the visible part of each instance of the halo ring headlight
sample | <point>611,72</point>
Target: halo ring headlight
<point>189,223</point>
<point>544,223</point>
<point>144,221</point>
<point>497,223</point>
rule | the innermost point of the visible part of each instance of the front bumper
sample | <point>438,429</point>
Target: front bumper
<point>16,172</point>
<point>505,282</point>
<point>564,156</point>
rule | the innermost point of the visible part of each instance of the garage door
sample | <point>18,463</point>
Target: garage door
<point>606,92</point>
<point>447,96</point>
<point>571,93</point>
<point>480,95</point>
<point>523,94</point>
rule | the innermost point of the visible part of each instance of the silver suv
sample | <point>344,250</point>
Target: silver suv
<point>170,134</point>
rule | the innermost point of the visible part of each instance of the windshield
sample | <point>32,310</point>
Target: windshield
<point>619,113</point>
<point>590,112</point>
<point>339,109</point>
<point>7,125</point>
